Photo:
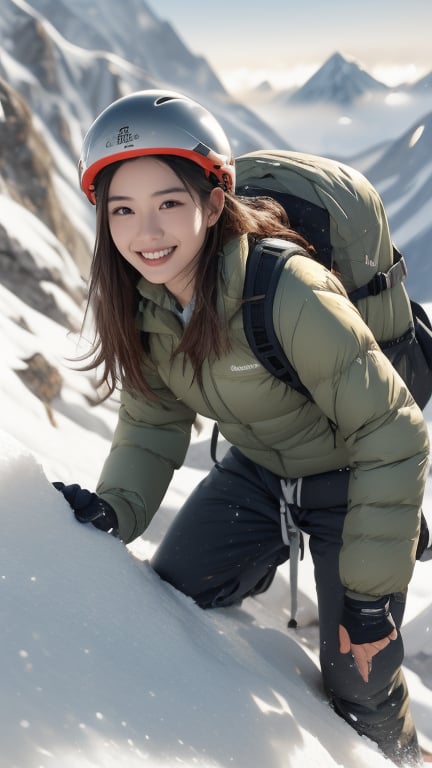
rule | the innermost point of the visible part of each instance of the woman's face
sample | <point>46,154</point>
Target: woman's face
<point>157,225</point>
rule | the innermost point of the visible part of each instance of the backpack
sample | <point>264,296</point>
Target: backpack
<point>341,214</point>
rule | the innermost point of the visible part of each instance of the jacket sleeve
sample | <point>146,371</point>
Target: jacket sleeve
<point>150,441</point>
<point>371,410</point>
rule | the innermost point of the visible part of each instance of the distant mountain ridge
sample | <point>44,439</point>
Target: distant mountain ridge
<point>424,85</point>
<point>340,81</point>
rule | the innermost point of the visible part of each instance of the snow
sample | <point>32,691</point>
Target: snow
<point>105,665</point>
<point>36,238</point>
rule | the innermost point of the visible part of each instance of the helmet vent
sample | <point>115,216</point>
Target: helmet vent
<point>163,100</point>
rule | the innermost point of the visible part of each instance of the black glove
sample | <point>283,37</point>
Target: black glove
<point>89,508</point>
<point>367,621</point>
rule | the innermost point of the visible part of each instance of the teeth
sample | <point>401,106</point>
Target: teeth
<point>153,255</point>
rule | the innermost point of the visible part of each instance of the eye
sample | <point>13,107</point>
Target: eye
<point>121,210</point>
<point>171,203</point>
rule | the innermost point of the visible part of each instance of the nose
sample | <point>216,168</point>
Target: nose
<point>147,228</point>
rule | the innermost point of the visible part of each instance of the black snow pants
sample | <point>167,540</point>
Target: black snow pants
<point>226,543</point>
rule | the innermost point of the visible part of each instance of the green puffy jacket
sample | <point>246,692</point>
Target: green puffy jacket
<point>362,416</point>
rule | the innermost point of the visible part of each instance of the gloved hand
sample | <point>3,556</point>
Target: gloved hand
<point>367,621</point>
<point>89,508</point>
<point>366,628</point>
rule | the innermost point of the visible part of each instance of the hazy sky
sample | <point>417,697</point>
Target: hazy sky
<point>391,40</point>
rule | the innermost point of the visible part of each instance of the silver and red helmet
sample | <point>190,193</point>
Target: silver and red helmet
<point>156,123</point>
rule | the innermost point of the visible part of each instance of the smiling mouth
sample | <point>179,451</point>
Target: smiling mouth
<point>156,255</point>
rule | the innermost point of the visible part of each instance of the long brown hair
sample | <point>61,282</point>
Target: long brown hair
<point>118,346</point>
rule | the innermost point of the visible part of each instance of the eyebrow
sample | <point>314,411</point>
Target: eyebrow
<point>159,193</point>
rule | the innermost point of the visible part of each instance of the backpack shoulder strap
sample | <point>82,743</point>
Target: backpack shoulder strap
<point>265,263</point>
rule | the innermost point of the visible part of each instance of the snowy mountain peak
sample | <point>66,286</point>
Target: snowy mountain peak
<point>339,80</point>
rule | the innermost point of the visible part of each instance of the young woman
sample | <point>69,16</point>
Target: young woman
<point>166,292</point>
